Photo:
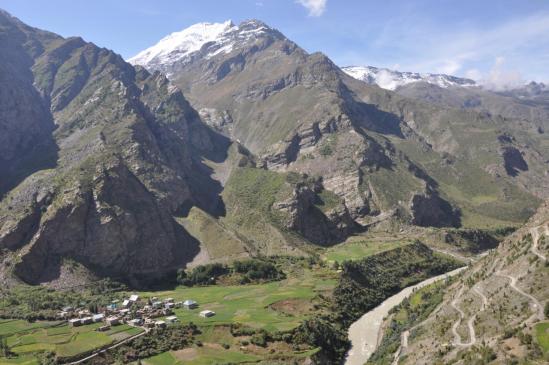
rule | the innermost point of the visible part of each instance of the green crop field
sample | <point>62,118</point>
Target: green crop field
<point>357,248</point>
<point>542,335</point>
<point>9,327</point>
<point>250,304</point>
<point>20,360</point>
<point>273,306</point>
<point>26,339</point>
<point>257,306</point>
<point>201,356</point>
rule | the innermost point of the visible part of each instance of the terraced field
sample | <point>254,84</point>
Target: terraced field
<point>252,305</point>
<point>27,339</point>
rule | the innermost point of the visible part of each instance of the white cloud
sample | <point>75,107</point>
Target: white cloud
<point>421,45</point>
<point>473,74</point>
<point>499,78</point>
<point>315,7</point>
<point>449,67</point>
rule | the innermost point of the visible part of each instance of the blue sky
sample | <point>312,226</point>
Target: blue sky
<point>499,41</point>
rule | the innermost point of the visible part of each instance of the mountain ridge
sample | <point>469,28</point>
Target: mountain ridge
<point>391,79</point>
<point>238,93</point>
<point>279,148</point>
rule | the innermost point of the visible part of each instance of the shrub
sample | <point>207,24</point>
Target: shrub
<point>259,339</point>
<point>205,274</point>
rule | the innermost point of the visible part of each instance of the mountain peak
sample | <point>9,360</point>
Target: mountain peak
<point>391,79</point>
<point>179,44</point>
<point>217,37</point>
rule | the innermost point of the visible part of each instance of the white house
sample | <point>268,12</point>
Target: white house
<point>207,313</point>
<point>171,319</point>
<point>75,322</point>
<point>134,298</point>
<point>113,321</point>
<point>136,322</point>
<point>126,303</point>
<point>190,304</point>
<point>160,324</point>
<point>98,317</point>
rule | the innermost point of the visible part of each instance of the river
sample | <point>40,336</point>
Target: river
<point>364,333</point>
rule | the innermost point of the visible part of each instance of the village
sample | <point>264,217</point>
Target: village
<point>133,311</point>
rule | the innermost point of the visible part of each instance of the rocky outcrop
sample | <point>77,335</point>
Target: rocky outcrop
<point>115,226</point>
<point>306,217</point>
<point>219,120</point>
<point>430,210</point>
<point>513,161</point>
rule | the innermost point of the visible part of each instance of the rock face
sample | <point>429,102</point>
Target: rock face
<point>304,215</point>
<point>514,162</point>
<point>120,155</point>
<point>429,210</point>
<point>381,153</point>
<point>26,126</point>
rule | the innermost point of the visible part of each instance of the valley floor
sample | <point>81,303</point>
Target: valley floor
<point>270,307</point>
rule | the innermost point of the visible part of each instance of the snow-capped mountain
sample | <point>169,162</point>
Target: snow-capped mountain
<point>208,39</point>
<point>391,80</point>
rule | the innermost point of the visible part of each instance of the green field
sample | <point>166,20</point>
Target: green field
<point>21,360</point>
<point>26,339</point>
<point>10,327</point>
<point>542,335</point>
<point>272,306</point>
<point>201,356</point>
<point>250,304</point>
<point>357,248</point>
<point>260,306</point>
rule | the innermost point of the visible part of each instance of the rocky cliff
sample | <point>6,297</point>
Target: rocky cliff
<point>98,157</point>
<point>108,166</point>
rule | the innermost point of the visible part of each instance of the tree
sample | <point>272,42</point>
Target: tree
<point>181,277</point>
<point>4,348</point>
<point>546,310</point>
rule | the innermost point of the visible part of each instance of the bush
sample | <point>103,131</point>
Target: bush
<point>157,341</point>
<point>238,329</point>
<point>204,274</point>
<point>254,270</point>
<point>259,339</point>
<point>182,277</point>
<point>325,333</point>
